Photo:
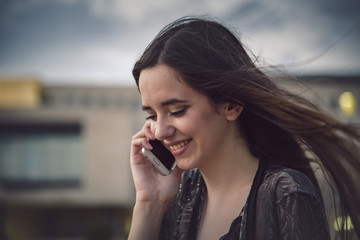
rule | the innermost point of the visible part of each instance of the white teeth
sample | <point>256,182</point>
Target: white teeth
<point>178,146</point>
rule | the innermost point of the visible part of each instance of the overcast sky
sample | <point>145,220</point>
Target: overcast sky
<point>97,41</point>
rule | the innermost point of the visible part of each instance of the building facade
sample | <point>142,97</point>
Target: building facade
<point>64,161</point>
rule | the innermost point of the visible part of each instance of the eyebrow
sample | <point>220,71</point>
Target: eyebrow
<point>166,103</point>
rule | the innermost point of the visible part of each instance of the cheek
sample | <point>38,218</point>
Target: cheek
<point>212,129</point>
<point>186,126</point>
<point>196,131</point>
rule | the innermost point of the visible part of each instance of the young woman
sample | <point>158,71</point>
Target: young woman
<point>243,146</point>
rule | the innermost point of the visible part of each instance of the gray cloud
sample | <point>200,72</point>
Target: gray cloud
<point>96,40</point>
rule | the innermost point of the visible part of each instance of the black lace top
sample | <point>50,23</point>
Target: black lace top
<point>286,206</point>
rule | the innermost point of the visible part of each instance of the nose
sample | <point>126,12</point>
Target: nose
<point>163,129</point>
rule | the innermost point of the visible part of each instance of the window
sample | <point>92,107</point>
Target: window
<point>40,155</point>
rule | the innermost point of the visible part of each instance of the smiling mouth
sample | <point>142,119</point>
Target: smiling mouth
<point>178,146</point>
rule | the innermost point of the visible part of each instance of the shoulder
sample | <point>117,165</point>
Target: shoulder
<point>298,207</point>
<point>284,182</point>
<point>289,206</point>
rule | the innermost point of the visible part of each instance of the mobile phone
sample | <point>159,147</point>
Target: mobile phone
<point>160,157</point>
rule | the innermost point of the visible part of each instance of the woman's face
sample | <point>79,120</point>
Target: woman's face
<point>181,117</point>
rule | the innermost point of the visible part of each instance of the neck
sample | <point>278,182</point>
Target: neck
<point>231,171</point>
<point>228,175</point>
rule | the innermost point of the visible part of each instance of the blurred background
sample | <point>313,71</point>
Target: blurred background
<point>69,106</point>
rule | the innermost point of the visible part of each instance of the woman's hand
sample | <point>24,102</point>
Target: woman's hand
<point>153,190</point>
<point>150,185</point>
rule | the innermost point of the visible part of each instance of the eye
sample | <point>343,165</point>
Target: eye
<point>151,117</point>
<point>179,112</point>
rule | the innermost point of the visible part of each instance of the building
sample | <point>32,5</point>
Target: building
<point>64,154</point>
<point>64,160</point>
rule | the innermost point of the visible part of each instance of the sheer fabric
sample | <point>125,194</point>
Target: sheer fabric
<point>287,207</point>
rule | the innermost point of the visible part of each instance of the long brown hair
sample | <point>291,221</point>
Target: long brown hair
<point>280,126</point>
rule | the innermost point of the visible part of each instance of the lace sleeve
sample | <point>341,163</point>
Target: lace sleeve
<point>301,216</point>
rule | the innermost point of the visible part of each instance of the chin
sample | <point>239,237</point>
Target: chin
<point>185,165</point>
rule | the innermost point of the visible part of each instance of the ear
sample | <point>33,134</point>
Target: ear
<point>231,111</point>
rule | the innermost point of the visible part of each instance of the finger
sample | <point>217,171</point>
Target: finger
<point>143,134</point>
<point>139,143</point>
<point>147,131</point>
<point>145,143</point>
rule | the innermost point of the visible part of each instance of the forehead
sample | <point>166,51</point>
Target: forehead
<point>160,83</point>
